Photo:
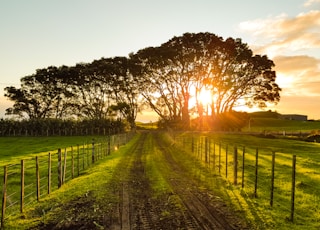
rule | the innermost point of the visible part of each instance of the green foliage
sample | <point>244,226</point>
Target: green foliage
<point>52,127</point>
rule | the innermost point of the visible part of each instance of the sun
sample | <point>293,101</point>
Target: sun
<point>205,97</point>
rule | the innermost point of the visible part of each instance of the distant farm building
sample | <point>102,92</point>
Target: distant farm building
<point>294,117</point>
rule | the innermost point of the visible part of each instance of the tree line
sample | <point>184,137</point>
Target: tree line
<point>164,78</point>
<point>60,127</point>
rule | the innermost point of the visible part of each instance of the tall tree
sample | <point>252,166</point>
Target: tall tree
<point>42,95</point>
<point>158,83</point>
<point>118,75</point>
<point>236,76</point>
<point>183,66</point>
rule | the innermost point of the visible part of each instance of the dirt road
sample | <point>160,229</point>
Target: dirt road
<point>136,204</point>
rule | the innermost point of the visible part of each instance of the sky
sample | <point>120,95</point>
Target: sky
<point>35,34</point>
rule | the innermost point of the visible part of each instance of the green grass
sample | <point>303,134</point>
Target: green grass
<point>156,168</point>
<point>147,126</point>
<point>273,124</point>
<point>93,182</point>
<point>77,160</point>
<point>13,149</point>
<point>258,210</point>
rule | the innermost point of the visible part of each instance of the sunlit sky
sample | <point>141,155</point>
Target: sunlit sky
<point>36,34</point>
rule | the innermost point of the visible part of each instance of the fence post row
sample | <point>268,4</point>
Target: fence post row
<point>197,148</point>
<point>62,171</point>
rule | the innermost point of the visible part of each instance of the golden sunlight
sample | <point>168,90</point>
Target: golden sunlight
<point>205,97</point>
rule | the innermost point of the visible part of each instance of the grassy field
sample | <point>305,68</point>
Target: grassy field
<point>273,124</point>
<point>93,180</point>
<point>76,156</point>
<point>13,149</point>
<point>216,176</point>
<point>257,209</point>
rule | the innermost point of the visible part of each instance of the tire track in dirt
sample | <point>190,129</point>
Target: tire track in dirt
<point>200,214</point>
<point>124,214</point>
<point>135,209</point>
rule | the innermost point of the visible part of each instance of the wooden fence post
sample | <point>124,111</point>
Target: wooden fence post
<point>4,195</point>
<point>22,187</point>
<point>78,159</point>
<point>88,157</point>
<point>200,149</point>
<point>293,186</point>
<point>93,151</point>
<point>256,174</point>
<point>49,173</point>
<point>227,161</point>
<point>192,144</point>
<point>235,166</point>
<point>118,139</point>
<point>64,166</point>
<point>272,178</point>
<point>83,157</point>
<point>243,165</point>
<point>72,163</point>
<point>59,169</point>
<point>109,142</point>
<point>214,156</point>
<point>206,150</point>
<point>38,178</point>
<point>209,152</point>
<point>220,158</point>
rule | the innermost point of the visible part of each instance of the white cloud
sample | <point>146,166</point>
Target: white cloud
<point>276,35</point>
<point>293,43</point>
<point>298,75</point>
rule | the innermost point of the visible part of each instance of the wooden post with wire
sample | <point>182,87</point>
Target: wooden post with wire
<point>293,186</point>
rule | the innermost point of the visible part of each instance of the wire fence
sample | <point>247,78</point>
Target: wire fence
<point>36,177</point>
<point>277,180</point>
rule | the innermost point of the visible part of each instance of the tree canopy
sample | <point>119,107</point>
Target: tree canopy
<point>166,78</point>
